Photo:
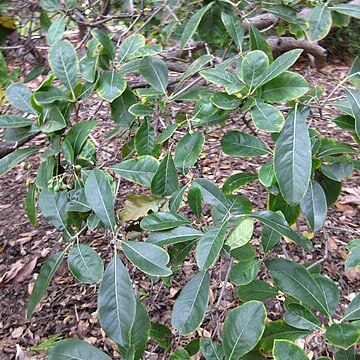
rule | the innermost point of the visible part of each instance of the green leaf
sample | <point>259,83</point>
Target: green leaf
<point>49,96</point>
<point>338,171</point>
<point>174,236</point>
<point>42,282</point>
<point>331,188</point>
<point>348,354</point>
<point>256,290</point>
<point>88,66</point>
<point>292,159</point>
<point>180,354</point>
<point>319,23</point>
<point>225,101</point>
<point>279,330</point>
<point>278,224</point>
<point>353,259</point>
<point>140,170</point>
<point>161,334</point>
<point>53,206</point>
<point>347,9</point>
<point>277,203</point>
<point>19,95</point>
<point>234,27</point>
<point>117,303</point>
<point>64,63</point>
<point>241,234</point>
<point>162,221</point>
<point>330,292</point>
<point>110,85</point>
<point>99,196</point>
<point>56,31</point>
<point>209,245</point>
<point>54,120</point>
<point>286,350</point>
<point>285,87</point>
<point>267,117</point>
<point>129,46</point>
<point>14,121</point>
<point>165,180</point>
<point>78,135</point>
<point>211,194</point>
<point>144,141</point>
<point>194,199</point>
<point>192,25</point>
<point>176,199</point>
<point>258,42</point>
<point>253,65</point>
<point>167,133</point>
<point>155,72</point>
<point>236,181</point>
<point>342,336</point>
<point>140,110</point>
<point>352,312</point>
<point>50,5</point>
<point>280,64</point>
<point>240,144</point>
<point>245,272</point>
<point>30,204</point>
<point>295,280</point>
<point>120,108</point>
<point>195,66</point>
<point>75,349</point>
<point>190,306</point>
<point>243,329</point>
<point>139,334</point>
<point>85,264</point>
<point>149,258</point>
<point>314,206</point>
<point>211,350</point>
<point>107,45</point>
<point>354,101</point>
<point>330,147</point>
<point>223,78</point>
<point>300,317</point>
<point>188,150</point>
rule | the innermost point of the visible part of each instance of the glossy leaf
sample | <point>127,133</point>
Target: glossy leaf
<point>267,117</point>
<point>129,46</point>
<point>245,272</point>
<point>256,290</point>
<point>292,159</point>
<point>319,23</point>
<point>234,27</point>
<point>14,121</point>
<point>348,9</point>
<point>192,25</point>
<point>293,279</point>
<point>120,108</point>
<point>190,306</point>
<point>99,196</point>
<point>140,170</point>
<point>75,349</point>
<point>64,63</point>
<point>300,317</point>
<point>188,150</point>
<point>253,65</point>
<point>241,234</point>
<point>353,258</point>
<point>243,329</point>
<point>342,336</point>
<point>162,221</point>
<point>117,303</point>
<point>176,199</point>
<point>30,204</point>
<point>211,194</point>
<point>43,280</point>
<point>149,258</point>
<point>209,245</point>
<point>225,101</point>
<point>85,264</point>
<point>286,350</point>
<point>329,292</point>
<point>314,206</point>
<point>174,236</point>
<point>352,312</point>
<point>79,133</point>
<point>236,181</point>
<point>165,180</point>
<point>56,31</point>
<point>110,85</point>
<point>194,200</point>
<point>19,95</point>
<point>223,78</point>
<point>195,66</point>
<point>144,142</point>
<point>240,144</point>
<point>285,87</point>
<point>155,72</point>
<point>278,224</point>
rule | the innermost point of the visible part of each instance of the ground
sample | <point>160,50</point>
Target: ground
<point>69,308</point>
